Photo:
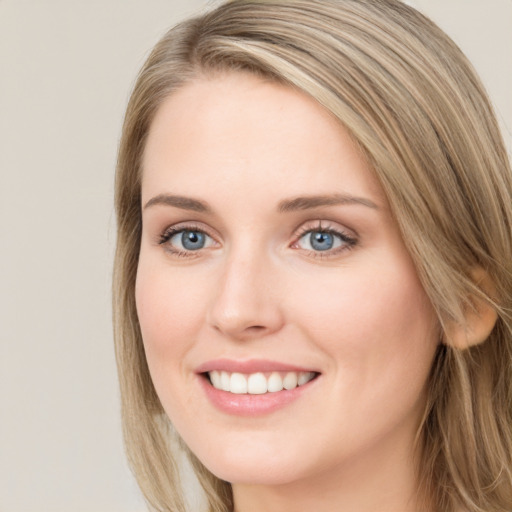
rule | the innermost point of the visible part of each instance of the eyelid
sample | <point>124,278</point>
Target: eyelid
<point>166,235</point>
<point>349,238</point>
<point>181,226</point>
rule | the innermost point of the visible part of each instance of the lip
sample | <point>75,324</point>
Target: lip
<point>251,405</point>
<point>250,366</point>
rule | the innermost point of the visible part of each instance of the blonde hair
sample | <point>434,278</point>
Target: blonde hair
<point>414,105</point>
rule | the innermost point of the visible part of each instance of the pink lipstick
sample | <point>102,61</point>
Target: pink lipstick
<point>254,386</point>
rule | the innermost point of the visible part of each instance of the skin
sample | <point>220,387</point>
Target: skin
<point>257,290</point>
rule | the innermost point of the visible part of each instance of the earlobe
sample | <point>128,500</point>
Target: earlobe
<point>480,319</point>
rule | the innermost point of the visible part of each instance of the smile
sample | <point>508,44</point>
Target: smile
<point>258,383</point>
<point>254,387</point>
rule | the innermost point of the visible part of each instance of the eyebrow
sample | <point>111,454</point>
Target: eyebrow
<point>308,202</point>
<point>184,203</point>
<point>287,205</point>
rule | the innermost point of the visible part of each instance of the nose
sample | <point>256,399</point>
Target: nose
<point>246,305</point>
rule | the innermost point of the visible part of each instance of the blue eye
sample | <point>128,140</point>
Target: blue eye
<point>319,240</point>
<point>190,240</point>
<point>185,240</point>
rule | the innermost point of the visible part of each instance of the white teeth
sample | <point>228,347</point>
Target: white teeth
<point>275,382</point>
<point>238,384</point>
<point>258,383</point>
<point>216,379</point>
<point>290,381</point>
<point>304,378</point>
<point>225,384</point>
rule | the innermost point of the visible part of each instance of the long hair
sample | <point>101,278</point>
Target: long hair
<point>418,112</point>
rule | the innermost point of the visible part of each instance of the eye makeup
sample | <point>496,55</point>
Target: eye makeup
<point>316,238</point>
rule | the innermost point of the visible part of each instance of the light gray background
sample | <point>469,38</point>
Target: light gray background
<point>66,68</point>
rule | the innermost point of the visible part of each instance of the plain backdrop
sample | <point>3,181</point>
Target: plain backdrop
<point>66,69</point>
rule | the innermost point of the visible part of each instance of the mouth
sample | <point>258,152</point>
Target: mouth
<point>254,387</point>
<point>259,383</point>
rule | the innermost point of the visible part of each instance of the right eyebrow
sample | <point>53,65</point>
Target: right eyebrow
<point>184,203</point>
<point>309,202</point>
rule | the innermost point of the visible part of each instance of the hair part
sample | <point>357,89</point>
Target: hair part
<point>416,109</point>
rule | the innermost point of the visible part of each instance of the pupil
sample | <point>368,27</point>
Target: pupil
<point>192,240</point>
<point>321,241</point>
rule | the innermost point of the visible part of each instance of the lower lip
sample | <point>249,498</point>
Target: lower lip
<point>252,405</point>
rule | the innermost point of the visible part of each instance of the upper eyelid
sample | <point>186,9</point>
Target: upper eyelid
<point>300,230</point>
<point>170,232</point>
<point>164,236</point>
<point>188,226</point>
<point>347,238</point>
<point>318,224</point>
<point>327,226</point>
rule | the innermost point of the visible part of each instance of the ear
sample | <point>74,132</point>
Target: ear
<point>479,319</point>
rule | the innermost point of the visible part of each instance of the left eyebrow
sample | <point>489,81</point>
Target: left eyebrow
<point>308,202</point>
<point>182,202</point>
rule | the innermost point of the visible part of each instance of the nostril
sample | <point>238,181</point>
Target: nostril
<point>250,330</point>
<point>255,328</point>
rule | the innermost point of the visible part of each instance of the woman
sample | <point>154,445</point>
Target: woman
<point>313,278</point>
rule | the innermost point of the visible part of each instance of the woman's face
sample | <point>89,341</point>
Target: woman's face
<point>269,258</point>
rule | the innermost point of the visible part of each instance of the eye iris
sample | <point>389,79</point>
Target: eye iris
<point>321,241</point>
<point>192,240</point>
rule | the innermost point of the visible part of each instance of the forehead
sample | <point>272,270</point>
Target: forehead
<point>238,130</point>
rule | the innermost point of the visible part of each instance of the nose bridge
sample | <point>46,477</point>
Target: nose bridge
<point>246,304</point>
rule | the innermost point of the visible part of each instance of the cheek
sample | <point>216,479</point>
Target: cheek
<point>169,311</point>
<point>370,320</point>
<point>378,330</point>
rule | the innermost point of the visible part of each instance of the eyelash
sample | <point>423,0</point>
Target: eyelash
<point>349,242</point>
<point>168,233</point>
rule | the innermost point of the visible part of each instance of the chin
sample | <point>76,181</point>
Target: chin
<point>253,467</point>
<point>267,473</point>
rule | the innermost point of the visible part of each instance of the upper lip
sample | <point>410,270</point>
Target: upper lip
<point>249,366</point>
